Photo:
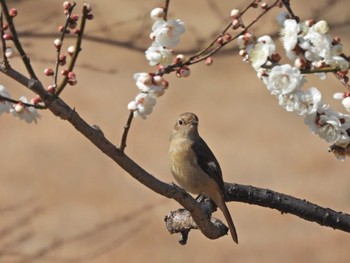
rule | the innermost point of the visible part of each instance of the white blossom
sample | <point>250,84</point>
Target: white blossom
<point>329,125</point>
<point>319,44</point>
<point>157,13</point>
<point>260,52</point>
<point>148,83</point>
<point>284,79</point>
<point>28,114</point>
<point>167,33</point>
<point>337,62</point>
<point>157,54</point>
<point>5,106</point>
<point>301,102</point>
<point>289,34</point>
<point>142,105</point>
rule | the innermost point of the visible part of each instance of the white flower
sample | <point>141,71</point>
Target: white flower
<point>142,105</point>
<point>167,33</point>
<point>9,52</point>
<point>157,13</point>
<point>346,103</point>
<point>301,102</point>
<point>329,125</point>
<point>309,101</point>
<point>157,54</point>
<point>28,114</point>
<point>289,34</point>
<point>337,62</point>
<point>260,52</point>
<point>148,83</point>
<point>321,27</point>
<point>5,106</point>
<point>284,79</point>
<point>319,44</point>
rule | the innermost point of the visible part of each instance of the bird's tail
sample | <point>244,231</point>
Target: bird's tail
<point>220,202</point>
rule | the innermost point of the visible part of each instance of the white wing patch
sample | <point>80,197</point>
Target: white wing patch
<point>213,166</point>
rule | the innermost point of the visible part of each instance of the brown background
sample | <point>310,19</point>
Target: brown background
<point>61,200</point>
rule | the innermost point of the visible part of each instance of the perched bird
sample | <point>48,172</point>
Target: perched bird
<point>195,167</point>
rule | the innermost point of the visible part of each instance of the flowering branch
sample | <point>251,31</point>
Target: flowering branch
<point>14,37</point>
<point>3,41</point>
<point>58,42</point>
<point>74,52</point>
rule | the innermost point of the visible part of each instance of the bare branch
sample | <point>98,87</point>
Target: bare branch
<point>126,131</point>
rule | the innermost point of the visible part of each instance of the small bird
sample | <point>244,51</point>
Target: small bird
<point>194,165</point>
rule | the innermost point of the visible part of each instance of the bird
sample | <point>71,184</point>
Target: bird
<point>194,165</point>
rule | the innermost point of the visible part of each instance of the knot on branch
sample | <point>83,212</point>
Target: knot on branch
<point>180,221</point>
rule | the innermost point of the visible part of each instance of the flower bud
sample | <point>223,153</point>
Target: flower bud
<point>19,108</point>
<point>13,12</point>
<point>49,72</point>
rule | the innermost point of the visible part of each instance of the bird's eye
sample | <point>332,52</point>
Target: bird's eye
<point>180,122</point>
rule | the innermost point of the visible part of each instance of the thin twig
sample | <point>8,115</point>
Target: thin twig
<point>286,4</point>
<point>63,34</point>
<point>76,52</point>
<point>126,131</point>
<point>3,41</point>
<point>40,107</point>
<point>205,53</point>
<point>166,9</point>
<point>15,39</point>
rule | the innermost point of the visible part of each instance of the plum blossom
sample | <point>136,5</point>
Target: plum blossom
<point>23,112</point>
<point>157,13</point>
<point>261,51</point>
<point>330,125</point>
<point>142,105</point>
<point>150,83</point>
<point>167,33</point>
<point>157,54</point>
<point>284,79</point>
<point>289,34</point>
<point>301,102</point>
<point>5,106</point>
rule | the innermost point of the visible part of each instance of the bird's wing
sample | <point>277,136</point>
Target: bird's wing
<point>207,161</point>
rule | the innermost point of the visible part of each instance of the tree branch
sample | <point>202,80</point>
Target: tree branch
<point>180,221</point>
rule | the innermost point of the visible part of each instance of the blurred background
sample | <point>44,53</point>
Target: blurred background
<point>62,200</point>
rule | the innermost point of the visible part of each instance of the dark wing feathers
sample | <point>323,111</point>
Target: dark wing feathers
<point>207,161</point>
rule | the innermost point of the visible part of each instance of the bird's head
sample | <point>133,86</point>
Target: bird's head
<point>186,124</point>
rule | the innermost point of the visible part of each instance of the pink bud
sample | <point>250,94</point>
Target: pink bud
<point>74,17</point>
<point>51,89</point>
<point>72,82</point>
<point>209,61</point>
<point>48,72</point>
<point>36,100</point>
<point>58,43</point>
<point>62,59</point>
<point>71,50</point>
<point>88,7</point>
<point>7,37</point>
<point>66,5</point>
<point>64,72</point>
<point>13,12</point>
<point>71,75</point>
<point>19,108</point>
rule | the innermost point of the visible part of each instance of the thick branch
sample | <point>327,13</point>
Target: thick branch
<point>180,221</point>
<point>288,204</point>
